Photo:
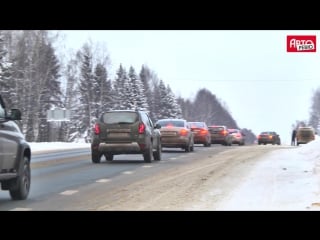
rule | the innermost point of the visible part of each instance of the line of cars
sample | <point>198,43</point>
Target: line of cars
<point>133,132</point>
<point>304,135</point>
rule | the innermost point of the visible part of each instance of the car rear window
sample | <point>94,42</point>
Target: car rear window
<point>120,117</point>
<point>233,131</point>
<point>171,123</point>
<point>265,133</point>
<point>217,128</point>
<point>196,124</point>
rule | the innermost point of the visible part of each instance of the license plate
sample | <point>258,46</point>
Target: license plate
<point>168,133</point>
<point>116,135</point>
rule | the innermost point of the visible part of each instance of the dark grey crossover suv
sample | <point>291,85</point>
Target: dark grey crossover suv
<point>15,155</point>
<point>125,132</point>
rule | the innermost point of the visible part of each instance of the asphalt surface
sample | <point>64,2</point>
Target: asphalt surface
<point>68,180</point>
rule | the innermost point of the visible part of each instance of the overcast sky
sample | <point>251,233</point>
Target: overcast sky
<point>265,87</point>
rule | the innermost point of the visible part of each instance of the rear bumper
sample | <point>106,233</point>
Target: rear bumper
<point>265,141</point>
<point>200,139</point>
<point>119,148</point>
<point>220,140</point>
<point>174,142</point>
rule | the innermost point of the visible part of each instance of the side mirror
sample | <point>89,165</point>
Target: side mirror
<point>157,126</point>
<point>15,114</point>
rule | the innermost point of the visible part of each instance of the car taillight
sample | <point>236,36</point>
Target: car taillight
<point>203,132</point>
<point>224,132</point>
<point>238,135</point>
<point>97,129</point>
<point>183,132</point>
<point>142,128</point>
<point>270,136</point>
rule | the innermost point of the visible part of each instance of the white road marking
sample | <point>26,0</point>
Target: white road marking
<point>146,166</point>
<point>69,192</point>
<point>103,180</point>
<point>21,209</point>
<point>173,158</point>
<point>127,172</point>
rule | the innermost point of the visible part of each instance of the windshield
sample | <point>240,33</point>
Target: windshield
<point>171,123</point>
<point>120,117</point>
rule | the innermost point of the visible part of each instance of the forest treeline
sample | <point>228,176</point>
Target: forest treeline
<point>35,79</point>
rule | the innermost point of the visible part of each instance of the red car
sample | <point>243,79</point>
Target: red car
<point>269,137</point>
<point>220,135</point>
<point>201,133</point>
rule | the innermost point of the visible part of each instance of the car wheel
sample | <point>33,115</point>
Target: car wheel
<point>95,157</point>
<point>19,190</point>
<point>109,157</point>
<point>188,147</point>
<point>192,147</point>
<point>157,153</point>
<point>147,156</point>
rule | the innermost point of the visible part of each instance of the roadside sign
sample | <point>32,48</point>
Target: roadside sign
<point>58,114</point>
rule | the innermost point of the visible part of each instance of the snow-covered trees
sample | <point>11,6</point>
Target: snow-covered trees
<point>33,83</point>
<point>314,120</point>
<point>34,79</point>
<point>168,103</point>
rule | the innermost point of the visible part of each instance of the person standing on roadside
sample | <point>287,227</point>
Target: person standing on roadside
<point>293,137</point>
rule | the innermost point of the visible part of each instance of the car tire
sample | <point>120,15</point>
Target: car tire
<point>147,155</point>
<point>157,153</point>
<point>95,157</point>
<point>187,148</point>
<point>109,157</point>
<point>20,187</point>
<point>192,147</point>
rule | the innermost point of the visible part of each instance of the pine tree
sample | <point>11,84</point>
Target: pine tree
<point>137,93</point>
<point>314,120</point>
<point>121,89</point>
<point>168,103</point>
<point>6,78</point>
<point>86,87</point>
<point>145,76</point>
<point>50,92</point>
<point>103,90</point>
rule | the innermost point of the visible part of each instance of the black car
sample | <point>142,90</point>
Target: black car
<point>269,137</point>
<point>15,155</point>
<point>125,132</point>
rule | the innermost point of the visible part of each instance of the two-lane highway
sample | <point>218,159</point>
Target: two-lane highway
<point>68,180</point>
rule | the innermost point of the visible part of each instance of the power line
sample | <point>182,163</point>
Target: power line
<point>249,80</point>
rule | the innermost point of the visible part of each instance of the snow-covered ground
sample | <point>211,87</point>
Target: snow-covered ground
<point>286,179</point>
<point>48,146</point>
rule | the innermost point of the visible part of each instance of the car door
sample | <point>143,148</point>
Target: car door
<point>9,142</point>
<point>150,130</point>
